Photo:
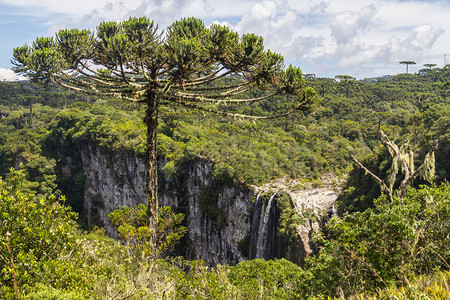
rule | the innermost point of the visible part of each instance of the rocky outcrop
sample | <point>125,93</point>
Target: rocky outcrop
<point>112,180</point>
<point>217,215</point>
<point>314,205</point>
<point>226,222</point>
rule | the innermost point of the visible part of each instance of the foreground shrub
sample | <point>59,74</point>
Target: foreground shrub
<point>384,246</point>
<point>133,227</point>
<point>194,280</point>
<point>33,235</point>
<point>274,279</point>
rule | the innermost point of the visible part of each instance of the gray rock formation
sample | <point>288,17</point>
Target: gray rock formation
<point>314,205</point>
<point>226,222</point>
<point>217,216</point>
<point>113,180</point>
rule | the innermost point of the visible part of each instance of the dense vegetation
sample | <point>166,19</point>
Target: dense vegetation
<point>44,255</point>
<point>408,255</point>
<point>306,144</point>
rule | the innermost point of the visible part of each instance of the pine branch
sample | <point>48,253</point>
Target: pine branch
<point>212,99</point>
<point>232,88</point>
<point>218,112</point>
<point>206,79</point>
<point>135,97</point>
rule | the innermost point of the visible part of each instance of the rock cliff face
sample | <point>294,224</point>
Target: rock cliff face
<point>217,215</point>
<point>112,180</point>
<point>227,223</point>
<point>314,206</point>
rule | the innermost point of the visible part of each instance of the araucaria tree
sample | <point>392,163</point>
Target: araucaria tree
<point>182,66</point>
<point>407,63</point>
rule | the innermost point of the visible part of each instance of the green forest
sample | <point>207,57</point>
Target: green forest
<point>374,248</point>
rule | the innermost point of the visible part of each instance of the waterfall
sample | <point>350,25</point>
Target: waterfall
<point>264,242</point>
<point>255,226</point>
<point>332,212</point>
<point>262,237</point>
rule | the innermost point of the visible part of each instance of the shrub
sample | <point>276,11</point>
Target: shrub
<point>133,229</point>
<point>33,234</point>
<point>385,245</point>
<point>273,279</point>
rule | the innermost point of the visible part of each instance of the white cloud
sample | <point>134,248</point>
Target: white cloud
<point>309,6</point>
<point>348,24</point>
<point>9,75</point>
<point>348,36</point>
<point>279,25</point>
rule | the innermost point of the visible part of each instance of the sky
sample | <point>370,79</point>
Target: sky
<point>360,38</point>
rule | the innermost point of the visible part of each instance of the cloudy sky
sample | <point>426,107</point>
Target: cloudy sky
<point>361,38</point>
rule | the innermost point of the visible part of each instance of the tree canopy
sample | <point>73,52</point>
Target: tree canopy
<point>407,63</point>
<point>128,59</point>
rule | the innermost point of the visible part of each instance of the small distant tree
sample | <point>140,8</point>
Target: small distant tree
<point>407,63</point>
<point>185,66</point>
<point>346,82</point>
<point>404,157</point>
<point>430,65</point>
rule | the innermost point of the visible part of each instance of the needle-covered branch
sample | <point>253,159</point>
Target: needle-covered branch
<point>228,114</point>
<point>219,98</point>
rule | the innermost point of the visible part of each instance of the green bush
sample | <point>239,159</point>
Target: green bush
<point>48,293</point>
<point>223,173</point>
<point>385,245</point>
<point>194,280</point>
<point>133,229</point>
<point>33,234</point>
<point>273,279</point>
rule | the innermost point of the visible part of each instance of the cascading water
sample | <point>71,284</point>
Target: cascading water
<point>264,241</point>
<point>261,241</point>
<point>255,226</point>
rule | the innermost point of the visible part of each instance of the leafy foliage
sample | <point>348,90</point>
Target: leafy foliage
<point>385,245</point>
<point>33,234</point>
<point>132,226</point>
<point>274,279</point>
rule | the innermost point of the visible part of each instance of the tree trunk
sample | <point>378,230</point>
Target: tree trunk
<point>151,120</point>
<point>31,113</point>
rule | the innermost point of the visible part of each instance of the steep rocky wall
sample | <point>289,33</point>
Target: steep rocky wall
<point>217,215</point>
<point>313,204</point>
<point>220,218</point>
<point>112,180</point>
